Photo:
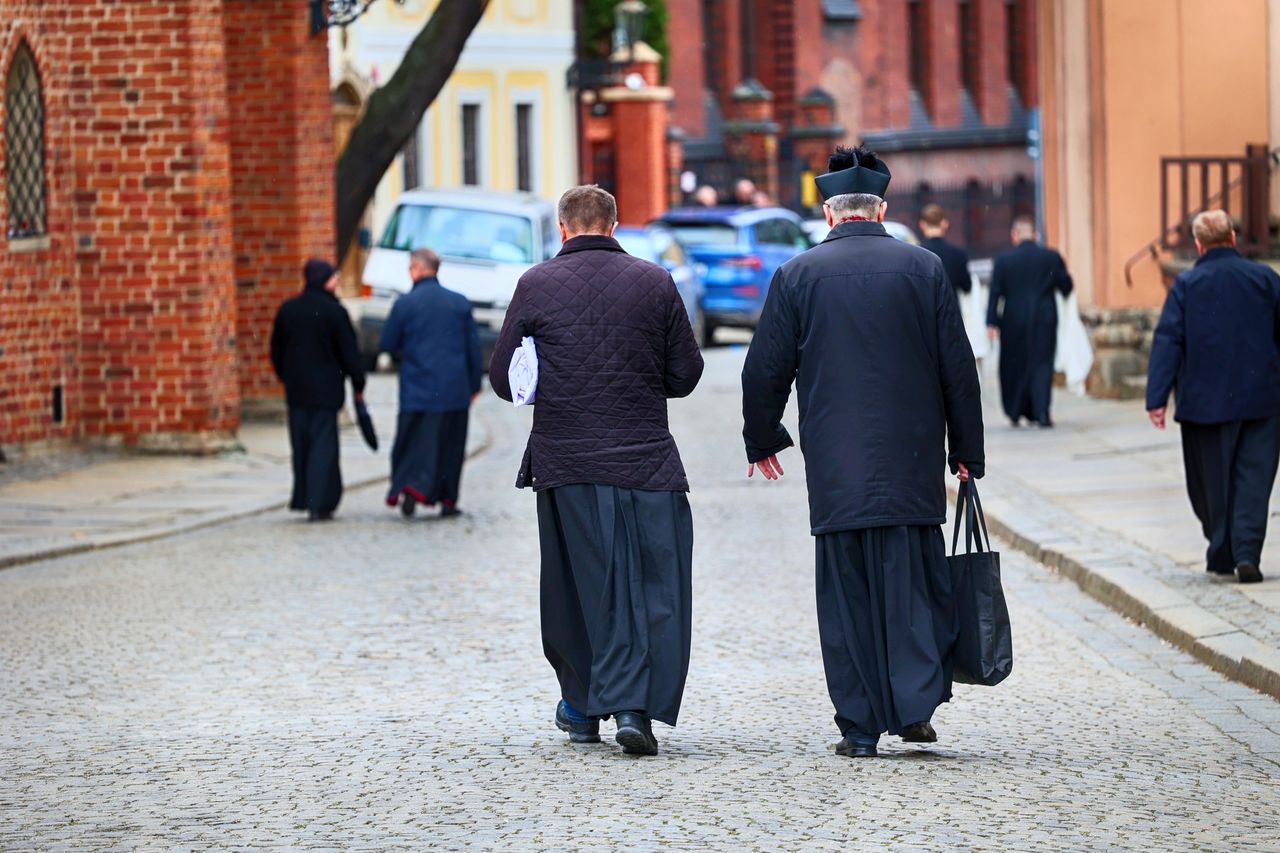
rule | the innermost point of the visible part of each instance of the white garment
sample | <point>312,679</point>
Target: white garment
<point>1074,357</point>
<point>523,373</point>
<point>973,310</point>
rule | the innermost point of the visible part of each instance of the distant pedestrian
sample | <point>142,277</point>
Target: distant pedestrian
<point>614,344</point>
<point>1023,314</point>
<point>744,192</point>
<point>1216,348</point>
<point>868,330</point>
<point>314,351</point>
<point>433,330</point>
<point>706,196</point>
<point>955,260</point>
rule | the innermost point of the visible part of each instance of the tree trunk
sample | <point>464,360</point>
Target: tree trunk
<point>394,110</point>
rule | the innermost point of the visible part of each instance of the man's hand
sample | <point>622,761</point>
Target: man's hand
<point>768,466</point>
<point>962,472</point>
<point>1157,417</point>
<point>993,332</point>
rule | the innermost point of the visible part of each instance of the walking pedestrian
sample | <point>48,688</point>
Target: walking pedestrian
<point>868,329</point>
<point>934,226</point>
<point>433,330</point>
<point>1216,348</point>
<point>744,192</point>
<point>614,344</point>
<point>314,351</point>
<point>1023,314</point>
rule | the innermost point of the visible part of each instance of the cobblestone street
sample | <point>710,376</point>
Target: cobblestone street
<point>379,684</point>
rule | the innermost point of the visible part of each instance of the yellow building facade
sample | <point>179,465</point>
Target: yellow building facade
<point>505,119</point>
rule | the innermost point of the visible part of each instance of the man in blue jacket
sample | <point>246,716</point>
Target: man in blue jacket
<point>1217,347</point>
<point>439,346</point>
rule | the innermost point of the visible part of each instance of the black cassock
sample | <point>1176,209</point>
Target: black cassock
<point>427,456</point>
<point>317,477</point>
<point>869,330</point>
<point>1022,307</point>
<point>617,568</point>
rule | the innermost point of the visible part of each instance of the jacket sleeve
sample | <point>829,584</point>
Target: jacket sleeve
<point>514,328</point>
<point>349,350</point>
<point>961,394</point>
<point>475,369</point>
<point>768,373</point>
<point>996,294</point>
<point>683,362</point>
<point>277,346</point>
<point>1061,278</point>
<point>965,284</point>
<point>392,338</point>
<point>1167,347</point>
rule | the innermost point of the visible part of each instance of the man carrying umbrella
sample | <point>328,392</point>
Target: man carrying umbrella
<point>869,330</point>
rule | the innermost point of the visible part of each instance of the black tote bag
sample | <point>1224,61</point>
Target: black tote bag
<point>984,648</point>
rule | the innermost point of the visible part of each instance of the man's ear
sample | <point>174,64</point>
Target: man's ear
<point>884,208</point>
<point>564,233</point>
<point>1200,246</point>
<point>831,219</point>
<point>612,228</point>
<point>1233,238</point>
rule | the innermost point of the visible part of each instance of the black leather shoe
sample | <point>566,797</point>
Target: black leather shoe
<point>852,749</point>
<point>408,503</point>
<point>588,732</point>
<point>635,735</point>
<point>450,512</point>
<point>319,516</point>
<point>919,733</point>
<point>1248,573</point>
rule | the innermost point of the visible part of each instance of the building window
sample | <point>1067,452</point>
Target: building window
<point>1013,46</point>
<point>471,145</point>
<point>967,29</point>
<point>917,45</point>
<point>24,148</point>
<point>524,147</point>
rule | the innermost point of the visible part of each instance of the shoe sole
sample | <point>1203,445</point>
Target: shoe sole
<point>577,737</point>
<point>634,742</point>
<point>1252,574</point>
<point>858,752</point>
<point>933,739</point>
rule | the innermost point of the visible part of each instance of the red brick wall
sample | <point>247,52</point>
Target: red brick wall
<point>687,75</point>
<point>39,311</point>
<point>282,167</point>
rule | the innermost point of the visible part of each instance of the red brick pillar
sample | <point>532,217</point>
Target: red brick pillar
<point>751,136</point>
<point>675,166</point>
<point>639,113</point>
<point>992,96</point>
<point>813,137</point>
<point>152,228</point>
<point>282,162</point>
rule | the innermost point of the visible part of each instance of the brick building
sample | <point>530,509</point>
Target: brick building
<point>944,88</point>
<point>167,168</point>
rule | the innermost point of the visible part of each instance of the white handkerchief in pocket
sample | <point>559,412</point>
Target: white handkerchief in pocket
<point>523,373</point>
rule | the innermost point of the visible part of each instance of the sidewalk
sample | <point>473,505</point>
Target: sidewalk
<point>134,498</point>
<point>1101,498</point>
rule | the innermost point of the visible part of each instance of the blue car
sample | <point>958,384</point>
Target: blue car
<point>658,244</point>
<point>741,248</point>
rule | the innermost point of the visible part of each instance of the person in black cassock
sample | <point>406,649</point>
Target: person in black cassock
<point>313,351</point>
<point>1217,348</point>
<point>1023,314</point>
<point>614,344</point>
<point>869,330</point>
<point>955,260</point>
<point>435,334</point>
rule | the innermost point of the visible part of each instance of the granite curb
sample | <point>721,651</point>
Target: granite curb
<point>1141,597</point>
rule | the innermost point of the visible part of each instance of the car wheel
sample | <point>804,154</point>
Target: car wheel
<point>700,328</point>
<point>708,334</point>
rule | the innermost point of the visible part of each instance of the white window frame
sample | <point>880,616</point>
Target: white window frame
<point>532,98</point>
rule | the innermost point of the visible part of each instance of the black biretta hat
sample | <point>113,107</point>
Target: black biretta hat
<point>872,179</point>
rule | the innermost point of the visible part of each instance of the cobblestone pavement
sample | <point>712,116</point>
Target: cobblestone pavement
<point>376,684</point>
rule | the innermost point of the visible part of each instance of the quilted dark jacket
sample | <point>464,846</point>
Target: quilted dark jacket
<point>614,343</point>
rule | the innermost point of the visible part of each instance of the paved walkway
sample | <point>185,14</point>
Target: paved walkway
<point>1102,498</point>
<point>130,498</point>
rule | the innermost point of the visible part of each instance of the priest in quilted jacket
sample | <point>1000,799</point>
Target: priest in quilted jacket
<point>614,344</point>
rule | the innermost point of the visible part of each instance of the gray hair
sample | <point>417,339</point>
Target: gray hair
<point>855,204</point>
<point>1213,228</point>
<point>587,209</point>
<point>425,257</point>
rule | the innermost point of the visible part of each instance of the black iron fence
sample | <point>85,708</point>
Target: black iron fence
<point>980,214</point>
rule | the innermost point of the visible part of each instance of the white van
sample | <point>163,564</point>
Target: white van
<point>486,240</point>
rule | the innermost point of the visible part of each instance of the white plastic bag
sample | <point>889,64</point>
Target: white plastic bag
<point>523,373</point>
<point>973,310</point>
<point>1074,357</point>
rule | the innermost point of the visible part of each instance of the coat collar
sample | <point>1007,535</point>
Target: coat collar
<point>585,242</point>
<point>426,281</point>
<point>1217,254</point>
<point>856,228</point>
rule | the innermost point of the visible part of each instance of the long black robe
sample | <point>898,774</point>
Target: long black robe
<point>1231,468</point>
<point>317,478</point>
<point>888,624</point>
<point>427,456</point>
<point>1022,307</point>
<point>617,596</point>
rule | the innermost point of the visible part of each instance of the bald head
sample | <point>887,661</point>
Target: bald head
<point>1213,229</point>
<point>423,263</point>
<point>1024,229</point>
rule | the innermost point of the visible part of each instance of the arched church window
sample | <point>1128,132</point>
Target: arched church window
<point>24,148</point>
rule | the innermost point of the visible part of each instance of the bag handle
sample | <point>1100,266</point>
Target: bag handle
<point>976,534</point>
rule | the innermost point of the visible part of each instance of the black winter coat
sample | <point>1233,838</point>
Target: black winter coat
<point>1218,342</point>
<point>869,330</point>
<point>955,261</point>
<point>614,343</point>
<point>313,349</point>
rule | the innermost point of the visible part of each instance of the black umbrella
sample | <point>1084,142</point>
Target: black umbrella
<point>366,425</point>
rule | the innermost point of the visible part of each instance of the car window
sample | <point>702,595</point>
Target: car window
<point>670,253</point>
<point>716,234</point>
<point>780,232</point>
<point>637,245</point>
<point>461,233</point>
<point>550,238</point>
<point>794,234</point>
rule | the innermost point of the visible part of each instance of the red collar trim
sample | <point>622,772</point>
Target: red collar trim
<point>854,219</point>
